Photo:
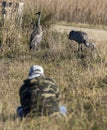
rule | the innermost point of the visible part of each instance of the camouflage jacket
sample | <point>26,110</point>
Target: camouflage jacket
<point>39,96</point>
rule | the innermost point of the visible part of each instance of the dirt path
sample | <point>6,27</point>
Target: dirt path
<point>94,34</point>
<point>97,35</point>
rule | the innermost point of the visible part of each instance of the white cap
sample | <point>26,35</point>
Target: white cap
<point>36,71</point>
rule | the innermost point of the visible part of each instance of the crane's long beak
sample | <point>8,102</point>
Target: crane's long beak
<point>93,45</point>
<point>37,13</point>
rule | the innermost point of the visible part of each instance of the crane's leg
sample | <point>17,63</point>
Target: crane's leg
<point>78,47</point>
<point>81,48</point>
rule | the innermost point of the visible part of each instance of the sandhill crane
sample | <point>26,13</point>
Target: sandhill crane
<point>36,35</point>
<point>81,38</point>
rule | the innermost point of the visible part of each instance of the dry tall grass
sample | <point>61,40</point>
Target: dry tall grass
<point>94,12</point>
<point>82,78</point>
<point>82,81</point>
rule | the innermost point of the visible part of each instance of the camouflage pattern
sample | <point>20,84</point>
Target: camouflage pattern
<point>39,96</point>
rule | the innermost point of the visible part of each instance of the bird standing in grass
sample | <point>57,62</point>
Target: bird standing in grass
<point>36,35</point>
<point>81,38</point>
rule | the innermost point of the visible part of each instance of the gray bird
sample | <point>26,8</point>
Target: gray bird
<point>36,35</point>
<point>81,38</point>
